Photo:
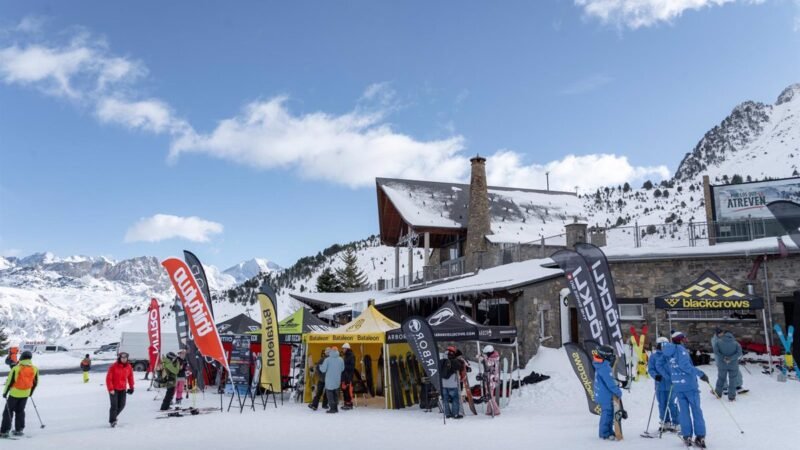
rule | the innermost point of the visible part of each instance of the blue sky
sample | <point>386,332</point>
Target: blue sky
<point>257,128</point>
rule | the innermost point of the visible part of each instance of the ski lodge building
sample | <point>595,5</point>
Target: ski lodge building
<point>487,248</point>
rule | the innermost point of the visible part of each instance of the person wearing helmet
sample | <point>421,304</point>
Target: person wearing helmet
<point>659,371</point>
<point>170,366</point>
<point>490,378</point>
<point>347,376</point>
<point>605,389</point>
<point>20,384</point>
<point>684,376</point>
<point>119,382</point>
<point>86,364</point>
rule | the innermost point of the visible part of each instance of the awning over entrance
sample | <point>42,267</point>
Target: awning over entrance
<point>368,328</point>
<point>708,292</point>
<point>450,323</point>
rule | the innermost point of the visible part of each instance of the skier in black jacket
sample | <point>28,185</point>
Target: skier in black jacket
<point>347,376</point>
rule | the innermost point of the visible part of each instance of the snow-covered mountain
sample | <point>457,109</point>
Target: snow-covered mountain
<point>248,269</point>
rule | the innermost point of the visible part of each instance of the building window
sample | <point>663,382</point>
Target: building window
<point>631,311</point>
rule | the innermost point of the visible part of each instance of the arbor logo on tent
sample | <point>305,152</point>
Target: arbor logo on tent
<point>440,317</point>
<point>195,302</point>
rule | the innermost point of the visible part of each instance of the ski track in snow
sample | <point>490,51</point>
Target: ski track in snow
<point>548,415</point>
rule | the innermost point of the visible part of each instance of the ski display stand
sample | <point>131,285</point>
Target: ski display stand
<point>265,394</point>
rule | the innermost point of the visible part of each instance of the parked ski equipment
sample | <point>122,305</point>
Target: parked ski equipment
<point>788,361</point>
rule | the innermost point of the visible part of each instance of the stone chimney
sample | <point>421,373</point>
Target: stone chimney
<point>576,233</point>
<point>478,221</point>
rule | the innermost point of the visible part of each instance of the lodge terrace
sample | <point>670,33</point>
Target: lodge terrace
<point>480,249</point>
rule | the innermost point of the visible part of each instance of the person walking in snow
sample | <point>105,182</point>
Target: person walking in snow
<point>659,371</point>
<point>450,373</point>
<point>490,378</point>
<point>20,384</point>
<point>119,382</point>
<point>727,353</point>
<point>319,391</point>
<point>86,364</point>
<point>170,366</point>
<point>347,376</point>
<point>332,367</point>
<point>684,376</point>
<point>605,389</point>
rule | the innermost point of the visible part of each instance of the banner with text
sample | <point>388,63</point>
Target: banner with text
<point>270,355</point>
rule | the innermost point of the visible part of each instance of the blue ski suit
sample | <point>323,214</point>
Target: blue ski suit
<point>605,388</point>
<point>684,387</point>
<point>727,353</point>
<point>658,365</point>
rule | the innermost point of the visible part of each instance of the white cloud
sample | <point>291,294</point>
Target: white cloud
<point>30,24</point>
<point>165,226</point>
<point>150,115</point>
<point>350,149</point>
<point>587,84</point>
<point>588,172</point>
<point>644,13</point>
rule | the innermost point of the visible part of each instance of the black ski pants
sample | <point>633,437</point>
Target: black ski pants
<point>118,399</point>
<point>14,407</point>
<point>333,399</point>
<point>319,394</point>
<point>168,398</point>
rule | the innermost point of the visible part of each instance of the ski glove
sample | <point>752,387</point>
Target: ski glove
<point>130,391</point>
<point>704,377</point>
<point>659,378</point>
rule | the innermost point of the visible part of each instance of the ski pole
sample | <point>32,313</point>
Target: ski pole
<point>666,413</point>
<point>725,407</point>
<point>37,413</point>
<point>647,429</point>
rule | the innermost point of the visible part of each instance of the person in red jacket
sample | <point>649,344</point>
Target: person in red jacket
<point>119,381</point>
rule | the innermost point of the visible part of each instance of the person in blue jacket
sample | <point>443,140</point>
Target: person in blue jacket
<point>332,367</point>
<point>684,376</point>
<point>605,389</point>
<point>659,371</point>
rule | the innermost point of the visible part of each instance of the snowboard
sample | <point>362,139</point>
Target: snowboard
<point>405,381</point>
<point>368,374</point>
<point>467,389</point>
<point>379,385</point>
<point>397,392</point>
<point>503,381</point>
<point>412,377</point>
<point>619,415</point>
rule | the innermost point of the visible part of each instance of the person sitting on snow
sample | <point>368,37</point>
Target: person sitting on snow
<point>605,389</point>
<point>659,370</point>
<point>684,387</point>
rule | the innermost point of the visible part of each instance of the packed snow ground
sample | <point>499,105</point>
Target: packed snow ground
<point>548,415</point>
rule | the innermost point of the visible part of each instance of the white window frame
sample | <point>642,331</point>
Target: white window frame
<point>639,316</point>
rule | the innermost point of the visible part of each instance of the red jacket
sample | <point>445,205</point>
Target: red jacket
<point>118,374</point>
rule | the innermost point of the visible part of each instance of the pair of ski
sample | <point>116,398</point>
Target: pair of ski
<point>786,340</point>
<point>638,345</point>
<point>183,412</point>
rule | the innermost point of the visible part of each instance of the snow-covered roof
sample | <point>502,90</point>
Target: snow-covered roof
<point>517,215</point>
<point>332,299</point>
<point>768,245</point>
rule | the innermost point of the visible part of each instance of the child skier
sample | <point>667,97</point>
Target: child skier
<point>86,364</point>
<point>684,376</point>
<point>659,370</point>
<point>605,389</point>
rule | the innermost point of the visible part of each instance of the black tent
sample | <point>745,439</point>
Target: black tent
<point>708,292</point>
<point>241,324</point>
<point>450,323</point>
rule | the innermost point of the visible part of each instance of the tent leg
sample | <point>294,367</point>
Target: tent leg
<point>766,340</point>
<point>386,388</point>
<point>519,375</point>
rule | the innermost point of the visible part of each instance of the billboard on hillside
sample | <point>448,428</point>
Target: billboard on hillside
<point>749,200</point>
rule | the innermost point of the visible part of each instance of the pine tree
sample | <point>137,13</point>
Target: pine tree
<point>350,277</point>
<point>3,343</point>
<point>327,282</point>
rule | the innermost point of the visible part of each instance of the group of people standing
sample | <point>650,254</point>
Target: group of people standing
<point>334,373</point>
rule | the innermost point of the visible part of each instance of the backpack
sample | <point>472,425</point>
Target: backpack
<point>24,379</point>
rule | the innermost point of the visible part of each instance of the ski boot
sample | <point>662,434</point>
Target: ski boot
<point>4,435</point>
<point>113,424</point>
<point>700,441</point>
<point>610,438</point>
<point>17,433</point>
<point>687,441</point>
<point>312,407</point>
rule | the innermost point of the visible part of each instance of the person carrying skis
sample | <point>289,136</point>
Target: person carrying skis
<point>319,391</point>
<point>684,376</point>
<point>86,364</point>
<point>20,384</point>
<point>170,366</point>
<point>491,375</point>
<point>347,376</point>
<point>727,353</point>
<point>450,372</point>
<point>659,371</point>
<point>605,389</point>
<point>119,382</point>
<point>332,367</point>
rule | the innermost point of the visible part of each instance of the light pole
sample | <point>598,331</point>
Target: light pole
<point>547,174</point>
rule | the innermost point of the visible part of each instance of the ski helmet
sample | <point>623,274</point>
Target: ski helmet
<point>171,356</point>
<point>605,352</point>
<point>26,355</point>
<point>661,341</point>
<point>678,337</point>
<point>488,349</point>
<point>346,345</point>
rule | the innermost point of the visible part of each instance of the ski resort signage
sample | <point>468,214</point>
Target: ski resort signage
<point>154,332</point>
<point>201,323</point>
<point>709,292</point>
<point>200,276</point>
<point>270,354</point>
<point>419,336</point>
<point>749,200</point>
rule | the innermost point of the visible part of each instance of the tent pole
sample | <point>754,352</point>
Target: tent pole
<point>519,376</point>
<point>386,388</point>
<point>768,300</point>
<point>766,340</point>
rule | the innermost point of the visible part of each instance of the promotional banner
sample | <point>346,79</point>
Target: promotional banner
<point>270,354</point>
<point>604,285</point>
<point>181,326</point>
<point>584,370</point>
<point>201,324</point>
<point>788,216</point>
<point>154,333</point>
<point>200,276</point>
<point>582,287</point>
<point>708,292</point>
<point>419,336</point>
<point>751,200</point>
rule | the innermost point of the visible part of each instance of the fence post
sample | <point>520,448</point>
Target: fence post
<point>636,242</point>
